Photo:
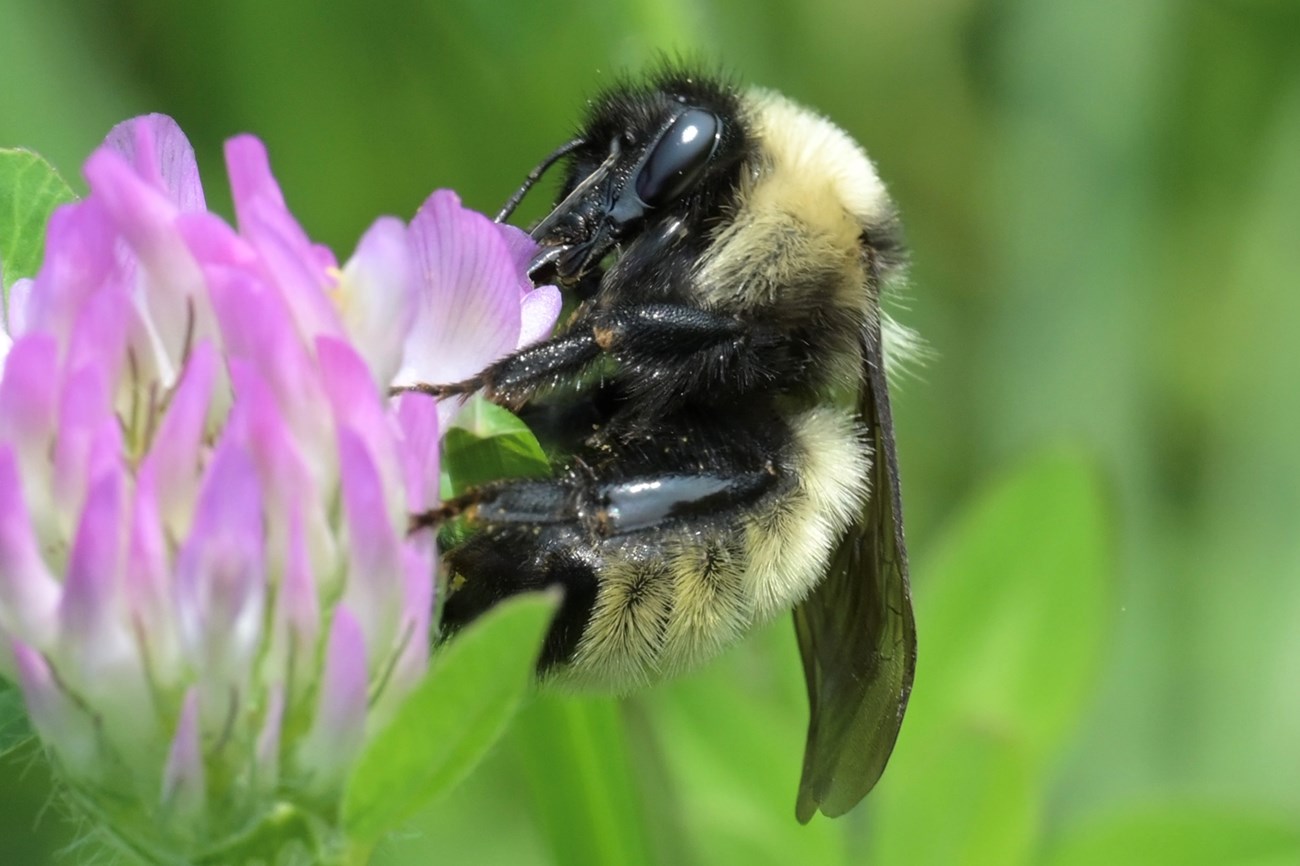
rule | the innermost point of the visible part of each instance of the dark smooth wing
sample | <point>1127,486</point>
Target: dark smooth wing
<point>857,633</point>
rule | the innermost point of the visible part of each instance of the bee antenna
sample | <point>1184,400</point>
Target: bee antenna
<point>535,175</point>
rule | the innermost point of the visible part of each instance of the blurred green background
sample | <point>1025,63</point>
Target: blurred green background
<point>1103,201</point>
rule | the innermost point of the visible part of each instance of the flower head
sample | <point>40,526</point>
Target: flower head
<point>208,594</point>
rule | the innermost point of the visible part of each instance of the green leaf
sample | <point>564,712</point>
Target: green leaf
<point>1011,618</point>
<point>1182,835</point>
<point>732,735</point>
<point>15,729</point>
<point>579,769</point>
<point>451,719</point>
<point>486,443</point>
<point>971,798</point>
<point>30,190</point>
<point>1013,605</point>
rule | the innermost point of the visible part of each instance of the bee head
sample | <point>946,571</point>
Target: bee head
<point>646,156</point>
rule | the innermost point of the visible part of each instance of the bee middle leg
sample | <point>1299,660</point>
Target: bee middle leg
<point>536,534</point>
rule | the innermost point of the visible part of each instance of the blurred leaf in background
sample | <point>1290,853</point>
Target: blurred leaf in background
<point>1103,202</point>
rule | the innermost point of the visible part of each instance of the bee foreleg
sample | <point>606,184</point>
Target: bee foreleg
<point>513,379</point>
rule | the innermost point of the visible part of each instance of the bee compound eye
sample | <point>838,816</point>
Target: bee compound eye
<point>679,157</point>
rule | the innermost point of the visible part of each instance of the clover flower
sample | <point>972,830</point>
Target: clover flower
<point>208,594</point>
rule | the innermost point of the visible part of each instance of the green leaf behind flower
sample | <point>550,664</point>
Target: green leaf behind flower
<point>473,687</point>
<point>30,190</point>
<point>485,443</point>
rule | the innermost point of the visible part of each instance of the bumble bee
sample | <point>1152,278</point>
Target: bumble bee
<point>721,393</point>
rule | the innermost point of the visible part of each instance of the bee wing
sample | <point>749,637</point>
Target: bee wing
<point>856,631</point>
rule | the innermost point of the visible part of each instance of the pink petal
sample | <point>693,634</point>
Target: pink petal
<point>270,343</point>
<point>79,258</point>
<point>295,270</point>
<point>538,312</point>
<point>467,311</point>
<point>417,420</point>
<point>214,243</point>
<point>291,477</point>
<point>251,182</point>
<point>27,419</point>
<point>521,248</point>
<point>374,590</point>
<point>220,572</point>
<point>98,656</point>
<point>376,296</point>
<point>88,432</point>
<point>87,612</point>
<point>58,718</point>
<point>176,453</point>
<point>27,399</point>
<point>169,290</point>
<point>29,593</point>
<point>146,583</point>
<point>99,333</point>
<point>358,405</point>
<point>15,319</point>
<point>419,565</point>
<point>339,726</point>
<point>161,154</point>
<point>295,265</point>
<point>183,782</point>
<point>296,623</point>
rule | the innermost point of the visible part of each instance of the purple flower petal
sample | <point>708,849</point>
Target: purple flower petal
<point>269,342</point>
<point>60,721</point>
<point>522,248</point>
<point>419,560</point>
<point>358,406</point>
<point>296,266</point>
<point>27,401</point>
<point>87,610</point>
<point>160,154</point>
<point>291,480</point>
<point>339,726</point>
<point>98,656</point>
<point>29,593</point>
<point>88,431</point>
<point>15,318</point>
<point>79,258</point>
<point>374,590</point>
<point>376,296</point>
<point>183,781</point>
<point>169,288</point>
<point>213,243</point>
<point>177,446</point>
<point>417,419</point>
<point>296,623</point>
<point>251,183</point>
<point>467,311</point>
<point>99,334</point>
<point>220,572</point>
<point>146,584</point>
<point>538,312</point>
